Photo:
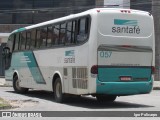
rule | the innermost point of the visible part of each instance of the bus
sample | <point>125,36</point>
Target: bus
<point>102,52</point>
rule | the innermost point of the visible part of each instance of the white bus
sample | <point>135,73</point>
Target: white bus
<point>100,52</point>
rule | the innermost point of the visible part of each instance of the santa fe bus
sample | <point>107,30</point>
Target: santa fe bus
<point>103,52</point>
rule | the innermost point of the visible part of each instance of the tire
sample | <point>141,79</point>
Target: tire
<point>58,95</point>
<point>106,98</point>
<point>16,86</point>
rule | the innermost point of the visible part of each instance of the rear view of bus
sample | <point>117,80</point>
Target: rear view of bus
<point>125,53</point>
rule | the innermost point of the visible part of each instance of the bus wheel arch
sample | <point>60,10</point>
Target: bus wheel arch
<point>15,74</point>
<point>57,87</point>
<point>16,86</point>
<point>56,75</point>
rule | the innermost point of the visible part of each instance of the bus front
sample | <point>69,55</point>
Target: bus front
<point>125,53</point>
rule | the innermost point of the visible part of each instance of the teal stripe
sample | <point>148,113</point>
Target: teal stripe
<point>108,81</point>
<point>23,60</point>
<point>113,74</point>
<point>34,68</point>
<point>125,22</point>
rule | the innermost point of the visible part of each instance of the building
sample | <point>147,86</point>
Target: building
<point>18,13</point>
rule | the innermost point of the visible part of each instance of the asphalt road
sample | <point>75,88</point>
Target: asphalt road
<point>44,101</point>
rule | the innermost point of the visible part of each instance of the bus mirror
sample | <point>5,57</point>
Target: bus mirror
<point>6,51</point>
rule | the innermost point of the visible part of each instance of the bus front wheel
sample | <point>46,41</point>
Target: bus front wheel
<point>106,98</point>
<point>16,86</point>
<point>58,95</point>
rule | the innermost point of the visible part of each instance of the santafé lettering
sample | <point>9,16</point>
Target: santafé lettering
<point>127,29</point>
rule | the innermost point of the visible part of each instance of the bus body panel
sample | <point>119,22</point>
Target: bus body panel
<point>124,88</point>
<point>125,53</point>
<point>36,69</point>
<point>68,61</point>
<point>120,44</point>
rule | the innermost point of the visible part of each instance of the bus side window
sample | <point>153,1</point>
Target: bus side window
<point>16,46</point>
<point>38,43</point>
<point>43,38</point>
<point>56,34</point>
<point>11,42</point>
<point>33,39</point>
<point>70,39</point>
<point>73,31</point>
<point>62,33</point>
<point>82,32</point>
<point>28,38</point>
<point>49,36</point>
<point>23,40</point>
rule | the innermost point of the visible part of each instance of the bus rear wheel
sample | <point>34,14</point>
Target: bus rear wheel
<point>58,95</point>
<point>16,86</point>
<point>106,98</point>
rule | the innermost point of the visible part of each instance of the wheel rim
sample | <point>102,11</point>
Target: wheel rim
<point>58,90</point>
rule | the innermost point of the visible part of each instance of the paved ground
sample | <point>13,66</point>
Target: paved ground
<point>44,101</point>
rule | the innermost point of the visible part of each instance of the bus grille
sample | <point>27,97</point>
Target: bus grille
<point>80,78</point>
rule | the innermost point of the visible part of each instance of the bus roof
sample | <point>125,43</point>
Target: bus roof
<point>88,12</point>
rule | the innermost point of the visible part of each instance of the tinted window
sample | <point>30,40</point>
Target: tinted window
<point>62,33</point>
<point>82,29</point>
<point>28,40</point>
<point>23,40</point>
<point>43,37</point>
<point>10,42</point>
<point>71,32</point>
<point>16,47</point>
<point>70,39</point>
<point>33,39</point>
<point>50,36</point>
<point>56,34</point>
<point>38,38</point>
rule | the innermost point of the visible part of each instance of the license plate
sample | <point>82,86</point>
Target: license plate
<point>125,78</point>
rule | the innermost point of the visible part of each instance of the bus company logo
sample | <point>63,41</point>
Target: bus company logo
<point>69,56</point>
<point>126,26</point>
<point>69,53</point>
